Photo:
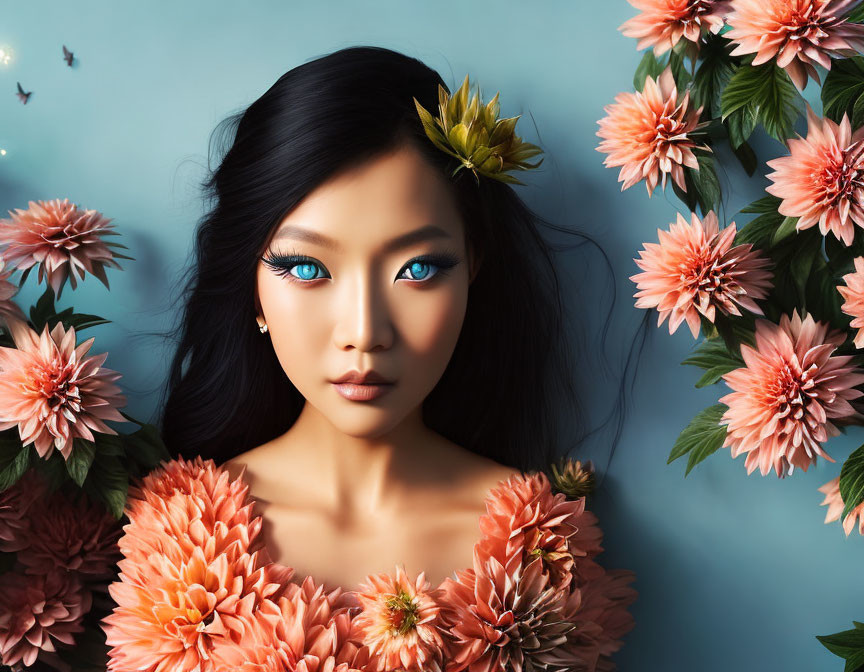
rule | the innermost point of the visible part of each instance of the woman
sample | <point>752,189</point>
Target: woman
<point>370,348</point>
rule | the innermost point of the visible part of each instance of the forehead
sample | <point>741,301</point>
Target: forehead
<point>372,204</point>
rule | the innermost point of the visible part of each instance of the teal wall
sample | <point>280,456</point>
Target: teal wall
<point>734,572</point>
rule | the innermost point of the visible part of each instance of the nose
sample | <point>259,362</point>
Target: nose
<point>363,315</point>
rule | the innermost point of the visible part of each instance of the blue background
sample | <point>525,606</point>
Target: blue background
<point>734,572</point>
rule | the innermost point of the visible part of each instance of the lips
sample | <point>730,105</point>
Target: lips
<point>364,378</point>
<point>359,392</point>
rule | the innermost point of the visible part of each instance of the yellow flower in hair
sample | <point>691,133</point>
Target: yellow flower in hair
<point>472,132</point>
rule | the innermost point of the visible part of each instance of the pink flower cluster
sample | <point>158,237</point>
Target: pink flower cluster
<point>65,552</point>
<point>797,33</point>
<point>197,591</point>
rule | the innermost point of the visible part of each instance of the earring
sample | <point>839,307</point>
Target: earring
<point>262,327</point>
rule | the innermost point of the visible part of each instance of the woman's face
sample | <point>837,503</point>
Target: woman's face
<point>369,272</point>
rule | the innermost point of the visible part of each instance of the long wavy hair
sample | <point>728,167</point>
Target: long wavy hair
<point>512,366</point>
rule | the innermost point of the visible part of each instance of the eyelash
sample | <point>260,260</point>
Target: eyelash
<point>283,263</point>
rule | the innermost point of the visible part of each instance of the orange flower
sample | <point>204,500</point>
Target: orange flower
<point>787,394</point>
<point>835,507</point>
<point>822,179</point>
<point>52,392</point>
<point>62,239</point>
<point>35,611</point>
<point>181,595</point>
<point>400,623</point>
<point>853,292</point>
<point>663,23</point>
<point>799,33</point>
<point>308,630</point>
<point>525,519</point>
<point>694,270</point>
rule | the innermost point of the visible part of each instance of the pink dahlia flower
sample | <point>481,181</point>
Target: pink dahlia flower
<point>52,392</point>
<point>835,504</point>
<point>72,535</point>
<point>37,610</point>
<point>663,23</point>
<point>9,310</point>
<point>788,393</point>
<point>798,33</point>
<point>15,505</point>
<point>400,623</point>
<point>647,133</point>
<point>694,270</point>
<point>62,239</point>
<point>822,179</point>
<point>190,580</point>
<point>853,293</point>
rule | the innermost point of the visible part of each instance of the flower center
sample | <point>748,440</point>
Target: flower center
<point>56,388</point>
<point>791,390</point>
<point>804,26</point>
<point>403,613</point>
<point>840,179</point>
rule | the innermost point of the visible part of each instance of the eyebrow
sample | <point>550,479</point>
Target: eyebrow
<point>428,232</point>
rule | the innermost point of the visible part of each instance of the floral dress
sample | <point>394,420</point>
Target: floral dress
<point>197,591</point>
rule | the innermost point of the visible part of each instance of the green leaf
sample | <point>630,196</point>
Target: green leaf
<point>145,446</point>
<point>856,15</point>
<point>705,182</point>
<point>852,481</point>
<point>43,309</point>
<point>14,461</point>
<point>108,481</point>
<point>53,470</point>
<point>79,461</point>
<point>649,66</point>
<point>712,76</point>
<point>714,357</point>
<point>848,644</point>
<point>768,203</point>
<point>858,113</point>
<point>759,231</point>
<point>701,438</point>
<point>741,124</point>
<point>786,229</point>
<point>763,94</point>
<point>844,85</point>
<point>747,157</point>
<point>801,265</point>
<point>678,65</point>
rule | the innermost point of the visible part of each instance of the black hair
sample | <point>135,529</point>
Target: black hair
<point>512,365</point>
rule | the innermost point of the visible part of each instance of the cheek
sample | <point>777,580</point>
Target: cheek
<point>297,325</point>
<point>429,324</point>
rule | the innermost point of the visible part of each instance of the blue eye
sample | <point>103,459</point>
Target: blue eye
<point>419,267</point>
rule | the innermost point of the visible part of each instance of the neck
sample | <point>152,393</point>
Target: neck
<point>360,476</point>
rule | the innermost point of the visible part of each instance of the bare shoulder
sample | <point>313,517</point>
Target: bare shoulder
<point>473,474</point>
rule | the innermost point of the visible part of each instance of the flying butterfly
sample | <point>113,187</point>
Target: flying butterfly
<point>23,97</point>
<point>68,56</point>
